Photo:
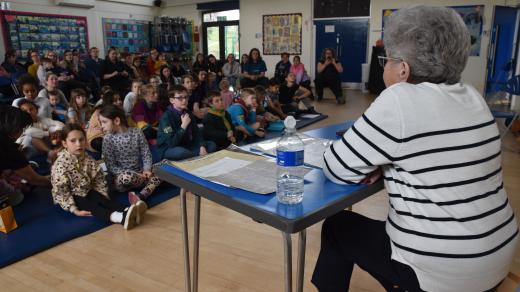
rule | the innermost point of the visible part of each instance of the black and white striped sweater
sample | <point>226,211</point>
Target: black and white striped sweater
<point>439,149</point>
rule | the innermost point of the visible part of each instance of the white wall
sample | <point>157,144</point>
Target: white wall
<point>475,71</point>
<point>102,9</point>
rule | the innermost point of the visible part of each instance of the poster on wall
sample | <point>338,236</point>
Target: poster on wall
<point>282,33</point>
<point>44,32</point>
<point>473,18</point>
<point>130,35</point>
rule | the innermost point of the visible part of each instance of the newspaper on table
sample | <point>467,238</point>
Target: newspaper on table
<point>235,168</point>
<point>313,147</point>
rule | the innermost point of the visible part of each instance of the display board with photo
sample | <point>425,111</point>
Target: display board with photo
<point>130,35</point>
<point>282,33</point>
<point>24,30</point>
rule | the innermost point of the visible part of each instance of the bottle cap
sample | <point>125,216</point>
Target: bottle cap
<point>289,122</point>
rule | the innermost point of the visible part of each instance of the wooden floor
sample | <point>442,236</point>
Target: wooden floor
<point>236,254</point>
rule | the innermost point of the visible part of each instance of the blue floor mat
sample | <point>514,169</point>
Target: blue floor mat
<point>42,225</point>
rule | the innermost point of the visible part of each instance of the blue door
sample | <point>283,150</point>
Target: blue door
<point>348,37</point>
<point>503,48</point>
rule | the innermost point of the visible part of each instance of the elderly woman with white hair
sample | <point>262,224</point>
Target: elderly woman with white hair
<point>433,139</point>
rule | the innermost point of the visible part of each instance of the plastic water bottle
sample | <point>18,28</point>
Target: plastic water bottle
<point>289,158</point>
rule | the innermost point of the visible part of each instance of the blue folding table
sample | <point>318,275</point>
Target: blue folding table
<point>322,199</point>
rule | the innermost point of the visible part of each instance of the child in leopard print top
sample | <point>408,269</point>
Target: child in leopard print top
<point>79,185</point>
<point>126,154</point>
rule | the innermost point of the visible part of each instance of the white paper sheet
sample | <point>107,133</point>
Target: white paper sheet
<point>310,116</point>
<point>220,167</point>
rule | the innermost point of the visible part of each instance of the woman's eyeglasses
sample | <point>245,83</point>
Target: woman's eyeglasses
<point>383,60</point>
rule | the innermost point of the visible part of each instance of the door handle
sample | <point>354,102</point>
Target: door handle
<point>496,30</point>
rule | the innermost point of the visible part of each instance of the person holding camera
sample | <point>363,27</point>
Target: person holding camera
<point>329,75</point>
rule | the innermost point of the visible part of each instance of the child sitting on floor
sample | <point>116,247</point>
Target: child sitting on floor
<point>124,149</point>
<point>95,131</point>
<point>147,112</point>
<point>292,96</point>
<point>263,105</point>
<point>226,94</point>
<point>196,95</point>
<point>29,87</point>
<point>131,97</point>
<point>178,136</point>
<point>79,185</point>
<point>271,96</point>
<point>218,126</point>
<point>40,137</point>
<point>58,109</point>
<point>80,110</point>
<point>243,114</point>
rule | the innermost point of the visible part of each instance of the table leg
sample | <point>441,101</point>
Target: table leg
<point>196,230</point>
<point>301,260</point>
<point>184,220</point>
<point>288,261</point>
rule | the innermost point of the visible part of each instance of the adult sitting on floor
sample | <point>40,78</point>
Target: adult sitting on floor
<point>450,226</point>
<point>329,75</point>
<point>14,166</point>
<point>254,71</point>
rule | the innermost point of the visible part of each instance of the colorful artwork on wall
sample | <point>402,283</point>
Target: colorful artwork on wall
<point>25,30</point>
<point>130,35</point>
<point>282,33</point>
<point>472,16</point>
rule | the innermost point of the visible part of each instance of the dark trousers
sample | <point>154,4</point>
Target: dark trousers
<point>331,81</point>
<point>97,144</point>
<point>348,238</point>
<point>150,133</point>
<point>248,83</point>
<point>100,206</point>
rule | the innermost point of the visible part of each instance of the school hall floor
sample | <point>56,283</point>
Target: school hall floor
<point>236,253</point>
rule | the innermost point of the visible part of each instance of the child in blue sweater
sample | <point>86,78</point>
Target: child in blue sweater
<point>243,114</point>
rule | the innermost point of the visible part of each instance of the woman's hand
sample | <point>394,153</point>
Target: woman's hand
<point>372,177</point>
<point>82,213</point>
<point>203,151</point>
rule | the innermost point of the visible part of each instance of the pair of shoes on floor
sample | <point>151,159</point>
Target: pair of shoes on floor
<point>341,100</point>
<point>134,215</point>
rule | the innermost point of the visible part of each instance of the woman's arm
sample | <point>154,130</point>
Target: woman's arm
<point>363,148</point>
<point>321,66</point>
<point>110,75</point>
<point>338,66</point>
<point>32,177</point>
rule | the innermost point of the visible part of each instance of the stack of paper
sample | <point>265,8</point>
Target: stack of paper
<point>313,147</point>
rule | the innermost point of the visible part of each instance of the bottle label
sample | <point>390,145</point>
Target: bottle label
<point>289,158</point>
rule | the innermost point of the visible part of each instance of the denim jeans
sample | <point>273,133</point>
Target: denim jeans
<point>181,152</point>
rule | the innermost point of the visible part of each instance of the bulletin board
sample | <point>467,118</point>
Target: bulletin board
<point>130,35</point>
<point>282,33</point>
<point>472,15</point>
<point>25,30</point>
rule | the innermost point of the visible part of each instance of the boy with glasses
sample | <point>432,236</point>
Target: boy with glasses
<point>178,136</point>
